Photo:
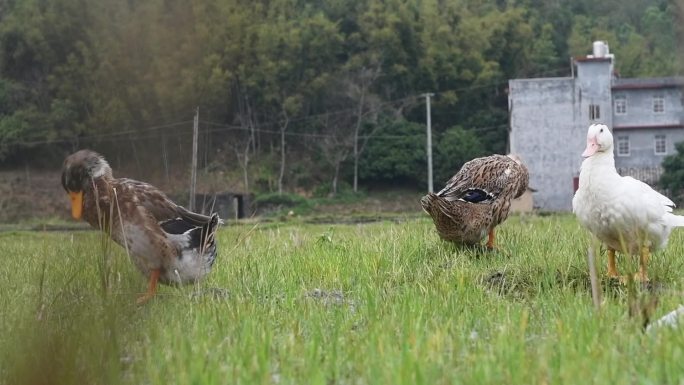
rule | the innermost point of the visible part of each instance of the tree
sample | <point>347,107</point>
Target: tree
<point>294,53</point>
<point>673,172</point>
<point>45,63</point>
<point>396,153</point>
<point>455,147</point>
<point>335,143</point>
<point>109,74</point>
<point>358,89</point>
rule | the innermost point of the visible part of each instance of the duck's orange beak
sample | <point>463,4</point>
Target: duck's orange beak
<point>76,204</point>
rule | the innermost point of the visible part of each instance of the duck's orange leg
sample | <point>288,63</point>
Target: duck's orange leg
<point>152,289</point>
<point>642,275</point>
<point>612,270</point>
<point>490,239</point>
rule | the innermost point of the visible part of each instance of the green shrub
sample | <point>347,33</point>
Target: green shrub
<point>285,199</point>
<point>275,204</point>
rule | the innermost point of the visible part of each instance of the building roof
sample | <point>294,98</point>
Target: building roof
<point>590,58</point>
<point>648,83</point>
<point>648,126</point>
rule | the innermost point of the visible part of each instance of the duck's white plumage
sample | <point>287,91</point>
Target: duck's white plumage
<point>624,213</point>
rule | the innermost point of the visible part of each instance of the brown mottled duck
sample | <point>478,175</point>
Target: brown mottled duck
<point>166,242</point>
<point>477,199</point>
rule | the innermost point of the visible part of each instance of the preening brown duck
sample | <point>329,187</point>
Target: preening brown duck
<point>166,242</point>
<point>477,199</point>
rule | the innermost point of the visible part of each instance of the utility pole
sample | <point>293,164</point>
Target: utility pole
<point>429,141</point>
<point>193,172</point>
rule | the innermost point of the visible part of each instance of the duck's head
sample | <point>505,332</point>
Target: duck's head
<point>77,173</point>
<point>599,140</point>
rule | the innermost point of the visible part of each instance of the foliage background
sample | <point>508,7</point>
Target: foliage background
<point>284,87</point>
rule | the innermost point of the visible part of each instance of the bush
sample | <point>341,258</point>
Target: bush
<point>673,172</point>
<point>454,147</point>
<point>396,152</point>
<point>275,203</point>
<point>344,190</point>
<point>285,199</point>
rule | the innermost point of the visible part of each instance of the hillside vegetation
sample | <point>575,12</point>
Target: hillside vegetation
<point>295,94</point>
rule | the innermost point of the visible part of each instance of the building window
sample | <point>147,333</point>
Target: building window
<point>623,145</point>
<point>658,103</point>
<point>620,104</point>
<point>594,112</point>
<point>660,145</point>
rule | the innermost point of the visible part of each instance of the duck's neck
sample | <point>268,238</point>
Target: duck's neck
<point>102,184</point>
<point>601,164</point>
<point>97,199</point>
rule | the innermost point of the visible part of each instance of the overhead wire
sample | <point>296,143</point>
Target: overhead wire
<point>116,136</point>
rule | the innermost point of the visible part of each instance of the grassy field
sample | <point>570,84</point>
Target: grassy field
<point>379,303</point>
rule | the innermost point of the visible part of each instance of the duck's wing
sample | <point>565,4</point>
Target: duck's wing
<point>642,202</point>
<point>144,195</point>
<point>166,219</point>
<point>648,192</point>
<point>157,204</point>
<point>484,179</point>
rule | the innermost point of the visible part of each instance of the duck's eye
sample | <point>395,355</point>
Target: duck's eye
<point>601,130</point>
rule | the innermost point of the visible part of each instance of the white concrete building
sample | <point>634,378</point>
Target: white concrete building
<point>549,118</point>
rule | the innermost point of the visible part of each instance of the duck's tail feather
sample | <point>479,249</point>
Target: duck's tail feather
<point>436,206</point>
<point>207,231</point>
<point>427,201</point>
<point>203,239</point>
<point>674,220</point>
<point>194,236</point>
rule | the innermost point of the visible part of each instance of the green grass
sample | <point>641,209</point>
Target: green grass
<point>380,303</point>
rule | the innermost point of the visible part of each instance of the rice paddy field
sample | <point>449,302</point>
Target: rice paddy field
<point>378,303</point>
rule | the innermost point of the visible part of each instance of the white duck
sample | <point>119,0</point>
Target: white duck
<point>624,213</point>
